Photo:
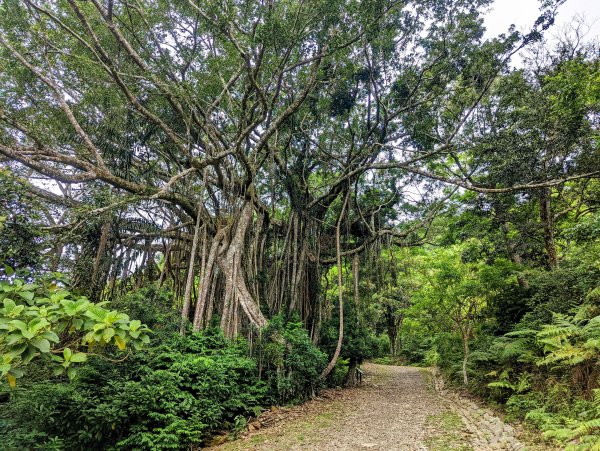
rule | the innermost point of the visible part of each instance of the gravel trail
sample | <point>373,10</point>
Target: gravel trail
<point>396,408</point>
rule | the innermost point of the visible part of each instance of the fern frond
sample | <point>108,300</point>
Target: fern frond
<point>554,331</point>
<point>587,427</point>
<point>502,384</point>
<point>524,333</point>
<point>568,355</point>
<point>552,343</point>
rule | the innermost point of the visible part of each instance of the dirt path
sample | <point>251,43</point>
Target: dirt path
<point>396,408</point>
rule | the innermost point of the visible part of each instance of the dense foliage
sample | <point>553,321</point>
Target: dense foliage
<point>533,349</point>
<point>171,395</point>
<point>44,320</point>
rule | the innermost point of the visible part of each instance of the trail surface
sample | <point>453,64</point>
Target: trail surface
<point>396,408</point>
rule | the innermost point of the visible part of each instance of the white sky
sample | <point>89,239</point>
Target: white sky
<point>523,13</point>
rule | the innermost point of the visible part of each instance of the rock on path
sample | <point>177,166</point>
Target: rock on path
<point>397,408</point>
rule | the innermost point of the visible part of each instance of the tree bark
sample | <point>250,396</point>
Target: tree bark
<point>338,252</point>
<point>227,254</point>
<point>104,233</point>
<point>355,273</point>
<point>351,379</point>
<point>392,329</point>
<point>189,283</point>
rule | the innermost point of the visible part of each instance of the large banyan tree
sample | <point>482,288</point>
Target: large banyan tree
<point>245,146</point>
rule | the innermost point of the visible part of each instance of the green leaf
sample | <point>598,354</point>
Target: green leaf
<point>28,334</point>
<point>57,358</point>
<point>58,370</point>
<point>135,324</point>
<point>71,372</point>
<point>8,270</point>
<point>9,305</point>
<point>67,353</point>
<point>14,337</point>
<point>27,295</point>
<point>18,350</point>
<point>17,310</point>
<point>28,354</point>
<point>49,335</point>
<point>121,344</point>
<point>69,306</point>
<point>108,334</point>
<point>19,325</point>
<point>96,313</point>
<point>42,344</point>
<point>17,372</point>
<point>37,323</point>
<point>79,357</point>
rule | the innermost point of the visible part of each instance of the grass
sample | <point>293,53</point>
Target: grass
<point>296,431</point>
<point>389,360</point>
<point>447,426</point>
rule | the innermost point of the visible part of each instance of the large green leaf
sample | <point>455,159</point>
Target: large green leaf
<point>42,344</point>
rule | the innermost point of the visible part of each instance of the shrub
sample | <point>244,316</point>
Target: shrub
<point>289,361</point>
<point>171,396</point>
<point>43,320</point>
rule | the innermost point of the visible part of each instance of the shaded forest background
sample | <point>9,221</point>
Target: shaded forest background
<point>209,207</point>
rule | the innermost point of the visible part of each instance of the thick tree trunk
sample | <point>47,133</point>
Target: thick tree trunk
<point>227,254</point>
<point>232,268</point>
<point>96,289</point>
<point>207,280</point>
<point>351,379</point>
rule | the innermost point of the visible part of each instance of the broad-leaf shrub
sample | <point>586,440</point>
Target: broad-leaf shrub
<point>43,320</point>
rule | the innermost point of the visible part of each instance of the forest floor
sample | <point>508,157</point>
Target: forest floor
<point>396,408</point>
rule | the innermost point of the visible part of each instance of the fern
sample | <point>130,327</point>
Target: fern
<point>581,434</point>
<point>567,355</point>
<point>502,384</point>
<point>570,340</point>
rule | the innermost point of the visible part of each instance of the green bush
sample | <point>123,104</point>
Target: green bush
<point>289,362</point>
<point>46,321</point>
<point>171,396</point>
<point>152,305</point>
